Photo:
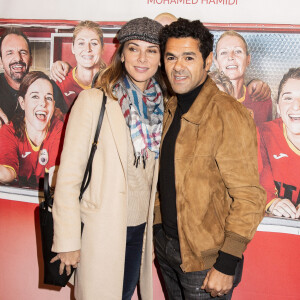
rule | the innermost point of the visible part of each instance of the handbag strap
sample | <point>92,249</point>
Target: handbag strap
<point>88,171</point>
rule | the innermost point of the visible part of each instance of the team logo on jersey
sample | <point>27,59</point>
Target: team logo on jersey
<point>43,157</point>
<point>26,154</point>
<point>69,93</point>
<point>281,155</point>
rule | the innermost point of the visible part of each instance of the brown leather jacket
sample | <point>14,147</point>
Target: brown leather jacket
<point>218,197</point>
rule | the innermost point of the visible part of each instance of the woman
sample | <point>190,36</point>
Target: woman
<point>87,47</point>
<point>280,151</point>
<point>232,59</point>
<point>117,207</point>
<point>30,143</point>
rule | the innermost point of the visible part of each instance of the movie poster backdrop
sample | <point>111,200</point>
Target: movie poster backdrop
<point>273,52</point>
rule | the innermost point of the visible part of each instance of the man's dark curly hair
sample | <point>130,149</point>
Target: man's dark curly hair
<point>184,28</point>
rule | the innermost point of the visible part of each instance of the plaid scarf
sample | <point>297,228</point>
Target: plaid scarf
<point>143,112</point>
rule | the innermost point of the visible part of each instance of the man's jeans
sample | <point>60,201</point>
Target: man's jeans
<point>182,285</point>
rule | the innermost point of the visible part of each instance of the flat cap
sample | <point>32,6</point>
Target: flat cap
<point>143,29</point>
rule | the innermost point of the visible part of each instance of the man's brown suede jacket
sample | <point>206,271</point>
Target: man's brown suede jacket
<point>218,197</point>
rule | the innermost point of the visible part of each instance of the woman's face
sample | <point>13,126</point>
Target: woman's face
<point>141,60</point>
<point>232,58</point>
<point>38,104</point>
<point>87,48</point>
<point>289,106</point>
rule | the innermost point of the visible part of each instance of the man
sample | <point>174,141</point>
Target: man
<point>15,57</point>
<point>209,200</point>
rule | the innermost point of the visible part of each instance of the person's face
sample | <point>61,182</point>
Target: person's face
<point>141,60</point>
<point>87,48</point>
<point>232,58</point>
<point>289,106</point>
<point>184,64</point>
<point>15,57</point>
<point>38,104</point>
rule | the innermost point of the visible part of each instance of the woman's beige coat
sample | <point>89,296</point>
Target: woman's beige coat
<point>103,208</point>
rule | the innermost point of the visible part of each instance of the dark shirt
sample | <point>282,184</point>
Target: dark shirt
<point>9,98</point>
<point>167,190</point>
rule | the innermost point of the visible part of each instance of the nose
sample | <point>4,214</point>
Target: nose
<point>231,55</point>
<point>142,56</point>
<point>178,66</point>
<point>296,104</point>
<point>88,47</point>
<point>18,56</point>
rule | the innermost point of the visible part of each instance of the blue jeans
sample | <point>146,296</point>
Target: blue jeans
<point>182,285</point>
<point>133,255</point>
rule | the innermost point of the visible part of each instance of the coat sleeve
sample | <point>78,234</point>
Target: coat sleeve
<point>236,157</point>
<point>76,149</point>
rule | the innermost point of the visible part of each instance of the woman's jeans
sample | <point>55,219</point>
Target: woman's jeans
<point>182,285</point>
<point>133,255</point>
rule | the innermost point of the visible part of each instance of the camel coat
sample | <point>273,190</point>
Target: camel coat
<point>103,208</point>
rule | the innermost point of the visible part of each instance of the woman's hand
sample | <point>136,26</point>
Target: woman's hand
<point>67,259</point>
<point>59,70</point>
<point>283,208</point>
<point>259,90</point>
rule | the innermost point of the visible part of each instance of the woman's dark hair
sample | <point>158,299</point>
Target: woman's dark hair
<point>184,28</point>
<point>293,73</point>
<point>116,70</point>
<point>18,118</point>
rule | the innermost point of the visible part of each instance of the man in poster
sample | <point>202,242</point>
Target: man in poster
<point>209,200</point>
<point>15,57</point>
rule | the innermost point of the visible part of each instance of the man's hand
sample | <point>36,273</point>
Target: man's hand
<point>59,70</point>
<point>3,118</point>
<point>217,283</point>
<point>259,90</point>
<point>67,259</point>
<point>283,208</point>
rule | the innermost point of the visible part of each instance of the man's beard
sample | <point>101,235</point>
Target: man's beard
<point>17,76</point>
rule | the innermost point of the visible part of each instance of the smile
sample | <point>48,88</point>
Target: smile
<point>141,69</point>
<point>294,117</point>
<point>179,78</point>
<point>41,115</point>
<point>231,67</point>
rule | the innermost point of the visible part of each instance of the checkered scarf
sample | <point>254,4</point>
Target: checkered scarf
<point>143,112</point>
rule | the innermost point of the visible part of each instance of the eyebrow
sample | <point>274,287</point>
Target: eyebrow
<point>150,46</point>
<point>286,93</point>
<point>189,53</point>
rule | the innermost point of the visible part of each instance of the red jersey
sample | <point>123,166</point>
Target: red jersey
<point>261,111</point>
<point>281,163</point>
<point>70,87</point>
<point>26,159</point>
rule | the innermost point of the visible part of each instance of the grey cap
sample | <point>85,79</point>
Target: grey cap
<point>143,29</point>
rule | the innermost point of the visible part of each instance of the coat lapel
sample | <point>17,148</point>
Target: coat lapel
<point>118,128</point>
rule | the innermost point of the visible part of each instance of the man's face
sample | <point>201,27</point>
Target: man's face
<point>232,58</point>
<point>15,57</point>
<point>184,64</point>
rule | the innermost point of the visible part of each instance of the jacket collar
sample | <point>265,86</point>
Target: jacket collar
<point>195,113</point>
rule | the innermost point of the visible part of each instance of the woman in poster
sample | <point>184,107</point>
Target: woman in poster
<point>115,249</point>
<point>87,47</point>
<point>232,59</point>
<point>280,151</point>
<point>30,142</point>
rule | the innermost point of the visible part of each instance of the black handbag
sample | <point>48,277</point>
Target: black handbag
<point>51,270</point>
